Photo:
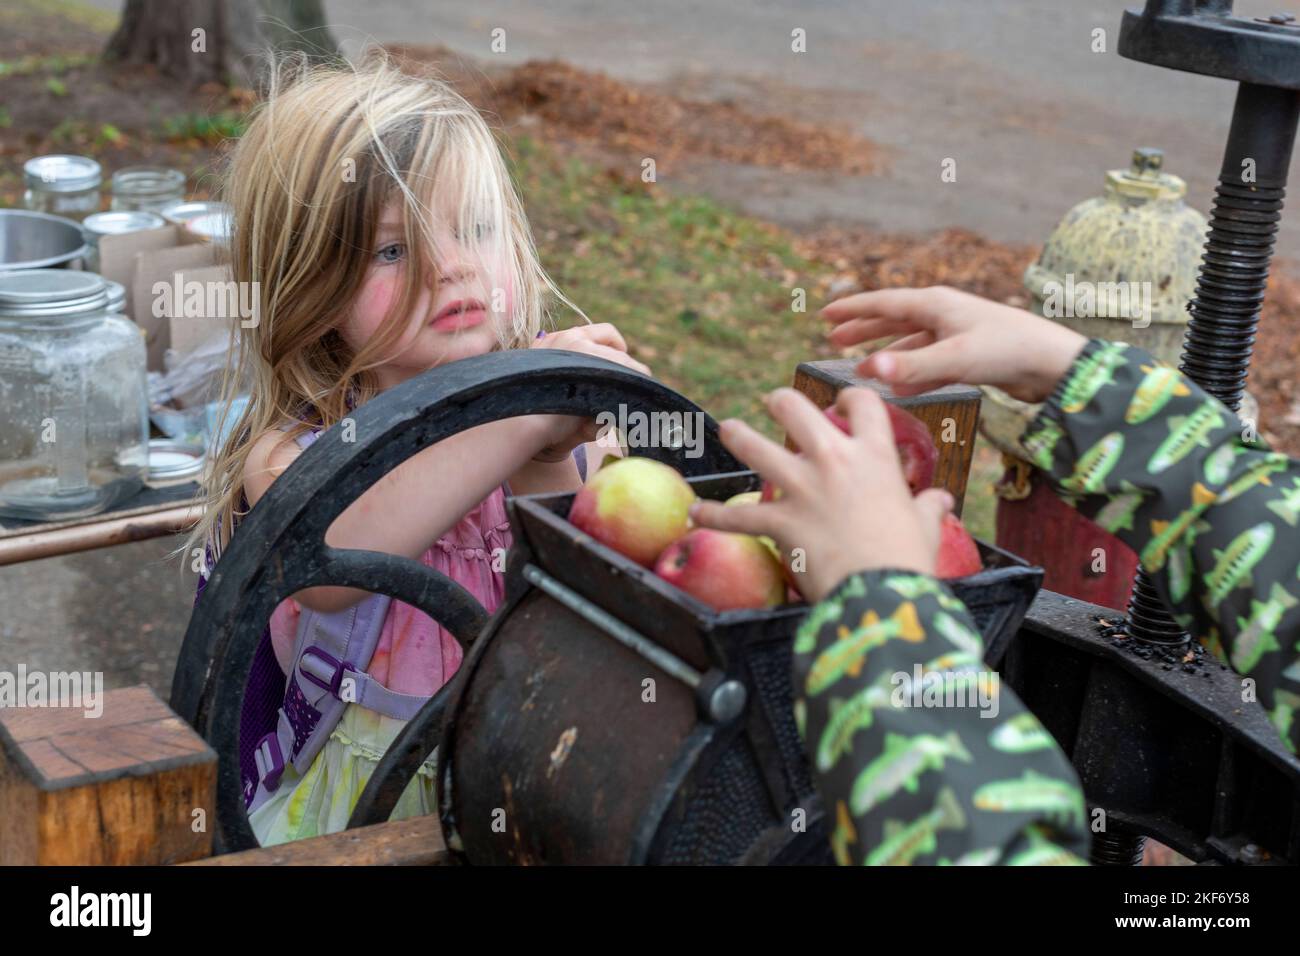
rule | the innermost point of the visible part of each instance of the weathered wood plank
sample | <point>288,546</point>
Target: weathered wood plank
<point>413,842</point>
<point>134,785</point>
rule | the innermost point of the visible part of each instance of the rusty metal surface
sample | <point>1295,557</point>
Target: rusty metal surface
<point>551,752</point>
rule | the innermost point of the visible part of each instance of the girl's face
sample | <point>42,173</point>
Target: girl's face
<point>455,321</point>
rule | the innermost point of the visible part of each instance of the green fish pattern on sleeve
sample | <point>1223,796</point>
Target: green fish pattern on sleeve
<point>1213,514</point>
<point>919,753</point>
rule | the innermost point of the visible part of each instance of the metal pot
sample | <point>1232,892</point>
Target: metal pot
<point>37,240</point>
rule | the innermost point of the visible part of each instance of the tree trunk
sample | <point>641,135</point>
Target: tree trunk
<point>298,26</point>
<point>221,41</point>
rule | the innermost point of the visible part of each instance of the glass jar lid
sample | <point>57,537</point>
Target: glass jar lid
<point>116,296</point>
<point>144,181</point>
<point>40,293</point>
<point>214,226</point>
<point>169,458</point>
<point>62,174</point>
<point>186,211</point>
<point>116,223</point>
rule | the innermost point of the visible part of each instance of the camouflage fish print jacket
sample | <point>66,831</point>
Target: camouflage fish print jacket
<point>920,755</point>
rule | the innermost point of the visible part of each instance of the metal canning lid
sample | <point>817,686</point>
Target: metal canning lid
<point>116,295</point>
<point>116,223</point>
<point>213,225</point>
<point>147,180</point>
<point>169,458</point>
<point>62,174</point>
<point>182,212</point>
<point>38,293</point>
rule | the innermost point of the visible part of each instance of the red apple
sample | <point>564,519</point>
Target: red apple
<point>916,449</point>
<point>958,554</point>
<point>637,506</point>
<point>723,569</point>
<point>754,497</point>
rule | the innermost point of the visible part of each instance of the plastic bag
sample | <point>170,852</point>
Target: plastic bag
<point>193,379</point>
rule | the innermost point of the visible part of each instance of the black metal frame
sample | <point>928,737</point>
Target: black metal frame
<point>280,547</point>
<point>1167,747</point>
<point>1201,36</point>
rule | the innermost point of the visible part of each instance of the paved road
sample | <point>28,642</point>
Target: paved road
<point>1008,88</point>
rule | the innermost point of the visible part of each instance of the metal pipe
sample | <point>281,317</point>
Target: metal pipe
<point>70,539</point>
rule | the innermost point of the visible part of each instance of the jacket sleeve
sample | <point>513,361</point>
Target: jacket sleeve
<point>1213,514</point>
<point>918,752</point>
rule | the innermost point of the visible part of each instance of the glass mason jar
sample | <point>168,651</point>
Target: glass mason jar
<point>146,188</point>
<point>74,416</point>
<point>62,185</point>
<point>114,224</point>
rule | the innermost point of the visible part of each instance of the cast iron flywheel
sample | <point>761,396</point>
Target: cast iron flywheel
<point>280,546</point>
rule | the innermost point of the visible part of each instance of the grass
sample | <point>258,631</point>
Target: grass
<point>702,294</point>
<point>53,65</point>
<point>206,128</point>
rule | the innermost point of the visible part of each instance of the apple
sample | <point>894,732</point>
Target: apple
<point>756,497</point>
<point>723,569</point>
<point>916,449</point>
<point>958,554</point>
<point>637,506</point>
<point>753,498</point>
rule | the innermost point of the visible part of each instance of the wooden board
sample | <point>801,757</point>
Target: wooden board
<point>414,842</point>
<point>951,413</point>
<point>135,785</point>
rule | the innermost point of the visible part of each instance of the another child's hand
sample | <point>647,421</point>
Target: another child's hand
<point>603,340</point>
<point>950,336</point>
<point>844,500</point>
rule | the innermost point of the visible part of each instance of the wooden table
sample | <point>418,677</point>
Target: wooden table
<point>154,512</point>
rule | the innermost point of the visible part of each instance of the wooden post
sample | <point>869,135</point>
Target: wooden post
<point>134,785</point>
<point>951,413</point>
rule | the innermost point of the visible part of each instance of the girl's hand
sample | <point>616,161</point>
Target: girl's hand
<point>603,340</point>
<point>844,500</point>
<point>950,336</point>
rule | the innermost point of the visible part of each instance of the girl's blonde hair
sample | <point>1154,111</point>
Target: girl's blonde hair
<point>325,151</point>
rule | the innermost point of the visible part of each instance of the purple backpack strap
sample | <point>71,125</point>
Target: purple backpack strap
<point>327,672</point>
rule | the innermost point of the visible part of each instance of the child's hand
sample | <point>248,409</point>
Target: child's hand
<point>950,336</point>
<point>844,500</point>
<point>603,340</point>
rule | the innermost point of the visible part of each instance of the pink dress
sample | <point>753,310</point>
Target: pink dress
<point>415,655</point>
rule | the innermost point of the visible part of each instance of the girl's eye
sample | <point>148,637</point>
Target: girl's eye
<point>391,253</point>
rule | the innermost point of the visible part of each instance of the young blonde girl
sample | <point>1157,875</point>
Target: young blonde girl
<point>375,220</point>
